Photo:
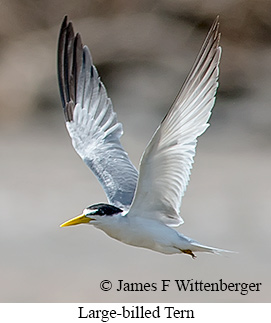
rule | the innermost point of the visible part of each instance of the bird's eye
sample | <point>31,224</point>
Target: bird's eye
<point>100,212</point>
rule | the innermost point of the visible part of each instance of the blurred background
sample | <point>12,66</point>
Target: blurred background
<point>143,50</point>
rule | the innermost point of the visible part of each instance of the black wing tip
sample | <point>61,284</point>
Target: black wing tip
<point>60,58</point>
<point>64,22</point>
<point>69,50</point>
<point>78,44</point>
<point>78,38</point>
<point>70,30</point>
<point>63,27</point>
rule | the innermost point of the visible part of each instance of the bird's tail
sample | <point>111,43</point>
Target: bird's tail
<point>196,246</point>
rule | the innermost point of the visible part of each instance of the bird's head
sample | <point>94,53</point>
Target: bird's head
<point>94,212</point>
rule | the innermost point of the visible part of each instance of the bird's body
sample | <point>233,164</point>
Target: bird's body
<point>147,233</point>
<point>143,206</point>
<point>140,232</point>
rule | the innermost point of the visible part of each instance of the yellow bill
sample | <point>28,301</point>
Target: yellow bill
<point>77,220</point>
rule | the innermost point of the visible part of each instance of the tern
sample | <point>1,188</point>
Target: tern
<point>143,207</point>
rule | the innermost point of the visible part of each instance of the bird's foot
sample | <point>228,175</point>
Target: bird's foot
<point>189,252</point>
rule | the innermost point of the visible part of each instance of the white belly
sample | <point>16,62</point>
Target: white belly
<point>145,233</point>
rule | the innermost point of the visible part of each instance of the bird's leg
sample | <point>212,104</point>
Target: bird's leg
<point>189,252</point>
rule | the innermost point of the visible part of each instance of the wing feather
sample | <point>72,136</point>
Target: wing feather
<point>167,161</point>
<point>91,121</point>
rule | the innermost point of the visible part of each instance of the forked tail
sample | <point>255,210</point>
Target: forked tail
<point>196,246</point>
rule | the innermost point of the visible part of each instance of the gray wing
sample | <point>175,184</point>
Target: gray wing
<point>167,161</point>
<point>91,121</point>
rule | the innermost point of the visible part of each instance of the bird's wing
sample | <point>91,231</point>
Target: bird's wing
<point>91,121</point>
<point>166,163</point>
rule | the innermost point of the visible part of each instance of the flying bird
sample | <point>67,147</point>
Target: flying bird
<point>143,206</point>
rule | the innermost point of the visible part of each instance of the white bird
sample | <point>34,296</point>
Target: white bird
<point>143,207</point>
